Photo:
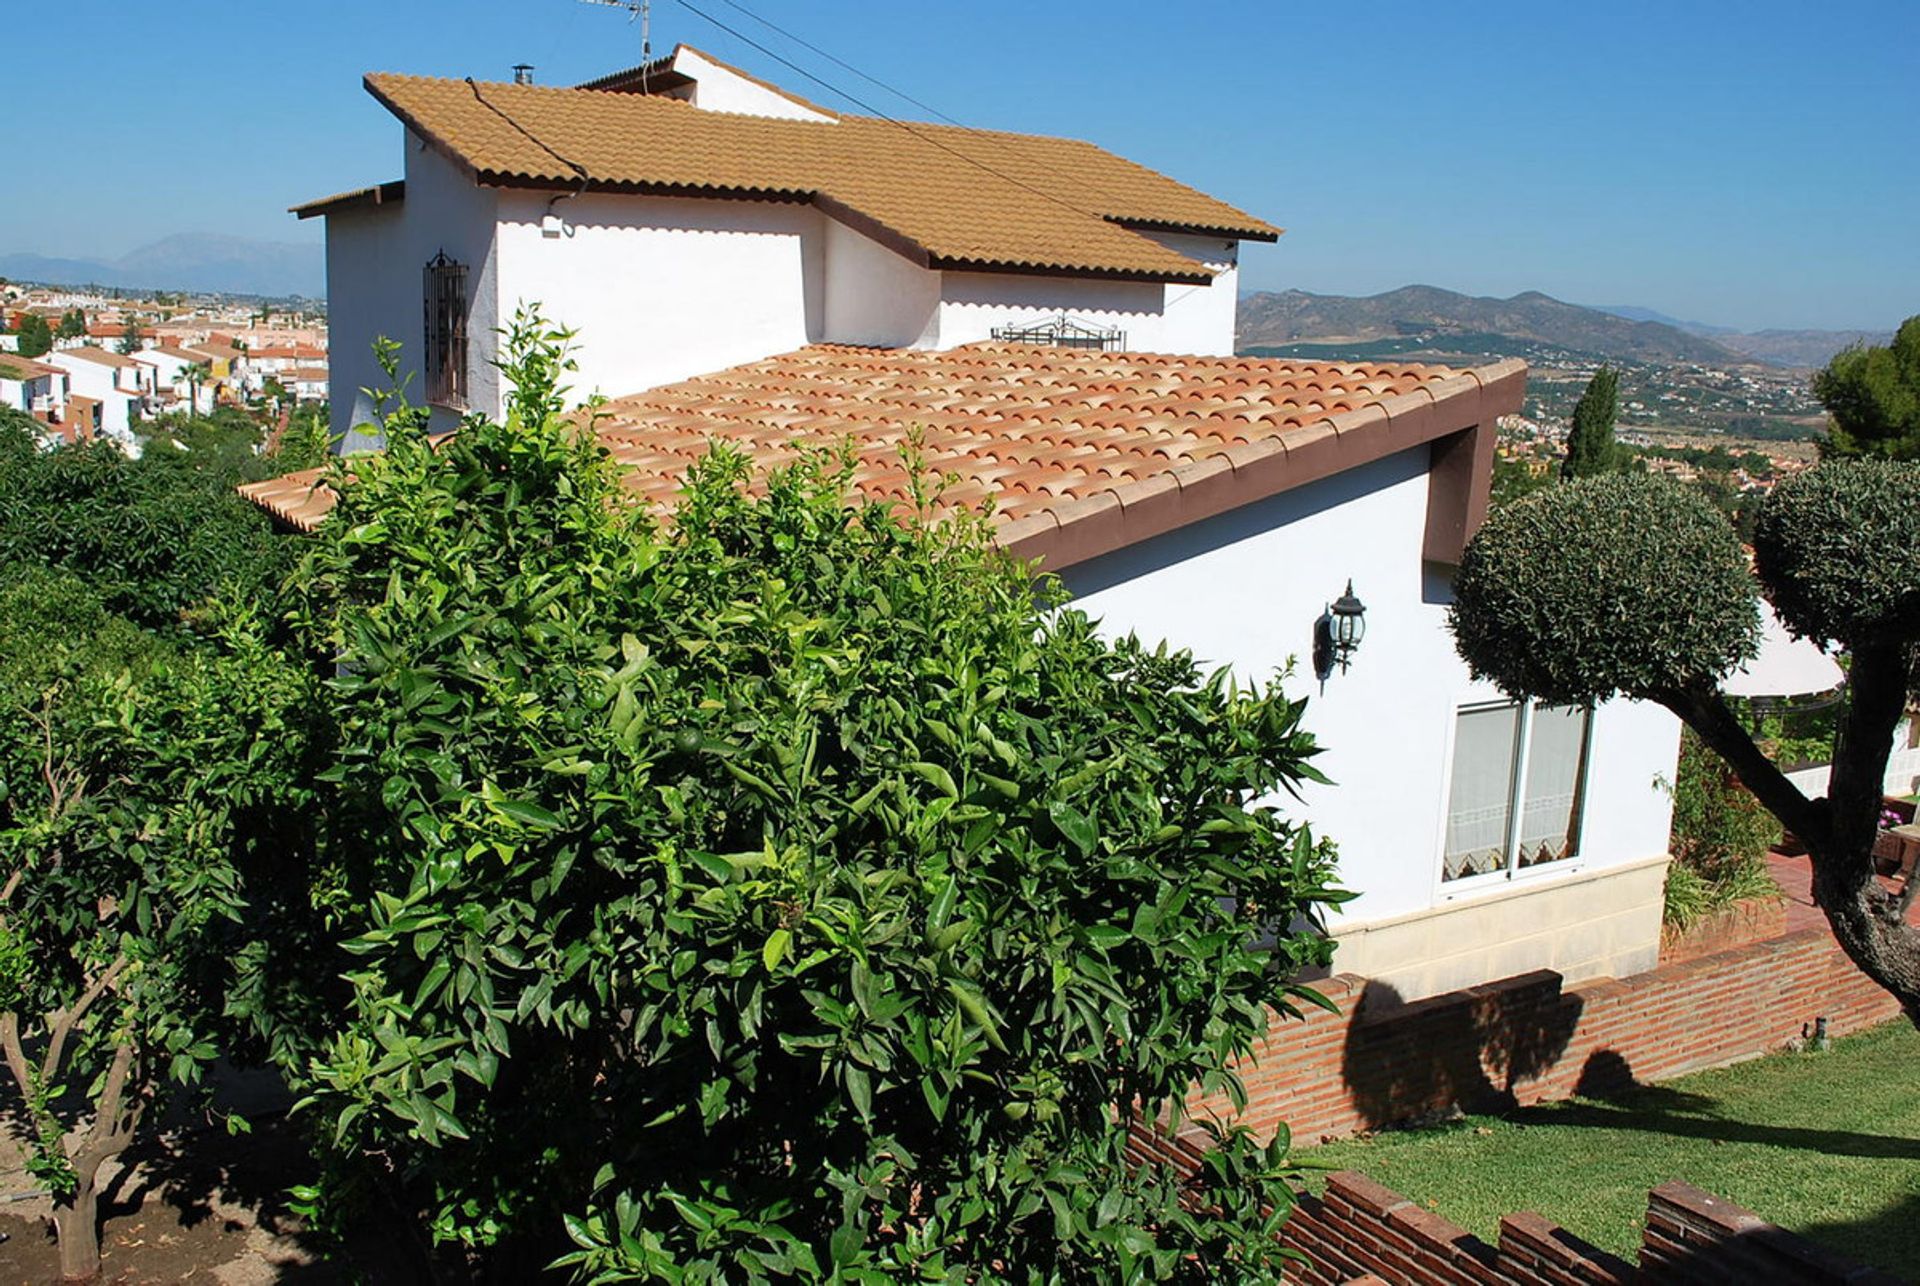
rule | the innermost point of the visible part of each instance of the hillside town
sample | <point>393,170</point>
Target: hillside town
<point>85,364</point>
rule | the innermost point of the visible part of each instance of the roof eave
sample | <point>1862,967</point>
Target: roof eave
<point>1455,418</point>
<point>1198,275</point>
<point>391,192</point>
<point>569,183</point>
<point>1252,230</point>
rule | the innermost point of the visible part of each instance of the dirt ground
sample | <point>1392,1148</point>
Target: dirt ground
<point>198,1206</point>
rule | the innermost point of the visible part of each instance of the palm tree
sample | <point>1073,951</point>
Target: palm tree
<point>195,374</point>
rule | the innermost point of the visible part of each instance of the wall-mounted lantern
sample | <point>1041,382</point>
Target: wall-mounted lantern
<point>1337,634</point>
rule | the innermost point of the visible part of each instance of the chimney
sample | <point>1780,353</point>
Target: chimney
<point>523,73</point>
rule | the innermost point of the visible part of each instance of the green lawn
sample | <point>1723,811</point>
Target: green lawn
<point>1827,1145</point>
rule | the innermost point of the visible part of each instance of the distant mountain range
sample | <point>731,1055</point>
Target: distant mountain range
<point>190,262</point>
<point>1774,346</point>
<point>1618,332</point>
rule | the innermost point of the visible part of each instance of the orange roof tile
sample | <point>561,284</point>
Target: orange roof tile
<point>946,196</point>
<point>1083,452</point>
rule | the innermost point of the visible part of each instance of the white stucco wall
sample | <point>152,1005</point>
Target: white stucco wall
<point>1201,319</point>
<point>375,259</point>
<point>875,296</point>
<point>973,303</point>
<point>663,288</point>
<point>1245,589</point>
<point>103,383</point>
<point>1158,317</point>
<point>721,89</point>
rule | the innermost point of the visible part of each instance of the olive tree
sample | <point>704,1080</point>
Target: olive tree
<point>1632,585</point>
<point>792,889</point>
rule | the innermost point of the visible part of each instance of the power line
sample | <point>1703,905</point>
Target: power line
<point>575,166</point>
<point>869,108</point>
<point>838,62</point>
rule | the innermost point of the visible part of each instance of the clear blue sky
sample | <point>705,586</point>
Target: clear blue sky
<point>1749,164</point>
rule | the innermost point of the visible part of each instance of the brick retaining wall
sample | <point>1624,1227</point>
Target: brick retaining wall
<point>1531,1038</point>
<point>1362,1231</point>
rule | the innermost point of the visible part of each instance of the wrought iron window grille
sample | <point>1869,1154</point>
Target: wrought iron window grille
<point>445,295</point>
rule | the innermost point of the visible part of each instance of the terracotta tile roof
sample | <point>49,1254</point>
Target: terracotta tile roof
<point>944,196</point>
<point>299,499</point>
<point>99,356</point>
<point>15,367</point>
<point>1082,452</point>
<point>393,190</point>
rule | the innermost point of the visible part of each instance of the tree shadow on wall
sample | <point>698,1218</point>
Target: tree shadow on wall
<point>1468,1050</point>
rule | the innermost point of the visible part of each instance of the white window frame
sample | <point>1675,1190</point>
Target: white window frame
<point>1512,872</point>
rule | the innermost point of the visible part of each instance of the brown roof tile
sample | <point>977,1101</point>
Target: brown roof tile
<point>1069,482</point>
<point>99,356</point>
<point>946,196</point>
<point>15,367</point>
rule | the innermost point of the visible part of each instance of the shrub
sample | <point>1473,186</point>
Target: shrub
<point>156,538</point>
<point>1839,549</point>
<point>1624,583</point>
<point>792,890</point>
<point>1721,835</point>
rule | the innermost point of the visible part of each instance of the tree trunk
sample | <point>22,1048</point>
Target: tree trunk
<point>76,1225</point>
<point>1868,922</point>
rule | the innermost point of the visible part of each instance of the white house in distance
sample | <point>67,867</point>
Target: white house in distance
<point>33,388</point>
<point>745,266</point>
<point>113,380</point>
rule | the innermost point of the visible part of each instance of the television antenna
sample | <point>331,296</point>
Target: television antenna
<point>641,9</point>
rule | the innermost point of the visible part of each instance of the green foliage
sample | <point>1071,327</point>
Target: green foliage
<point>36,337</point>
<point>1721,835</point>
<point>1873,394</point>
<point>153,892</point>
<point>54,626</point>
<point>307,441</point>
<point>1513,479</point>
<point>1838,548</point>
<point>73,325</point>
<point>1624,583</point>
<point>795,890</point>
<point>129,337</point>
<point>1691,896</point>
<point>1591,450</point>
<point>154,537</point>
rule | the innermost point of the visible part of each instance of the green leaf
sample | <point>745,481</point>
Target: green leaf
<point>1074,824</point>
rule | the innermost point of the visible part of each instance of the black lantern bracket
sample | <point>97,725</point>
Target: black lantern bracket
<point>1337,634</point>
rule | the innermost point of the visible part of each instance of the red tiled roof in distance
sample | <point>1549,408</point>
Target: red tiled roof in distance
<point>1082,452</point>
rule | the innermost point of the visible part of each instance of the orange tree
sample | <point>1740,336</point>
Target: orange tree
<point>789,890</point>
<point>150,887</point>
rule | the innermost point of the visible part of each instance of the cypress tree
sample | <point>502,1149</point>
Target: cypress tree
<point>1591,450</point>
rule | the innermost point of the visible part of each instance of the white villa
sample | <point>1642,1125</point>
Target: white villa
<point>743,265</point>
<point>114,381</point>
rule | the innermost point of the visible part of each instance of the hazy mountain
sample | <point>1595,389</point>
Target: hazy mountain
<point>1634,313</point>
<point>1293,316</point>
<point>1774,347</point>
<point>1801,347</point>
<point>190,261</point>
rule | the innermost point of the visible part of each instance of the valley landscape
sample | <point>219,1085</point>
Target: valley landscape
<point>1682,384</point>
